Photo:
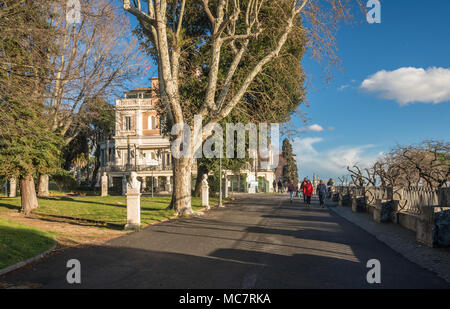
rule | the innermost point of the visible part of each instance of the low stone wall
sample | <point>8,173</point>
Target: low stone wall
<point>408,221</point>
<point>431,224</point>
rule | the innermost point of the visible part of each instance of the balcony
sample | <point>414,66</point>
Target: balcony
<point>134,103</point>
<point>139,168</point>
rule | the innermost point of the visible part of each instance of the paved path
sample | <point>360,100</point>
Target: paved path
<point>259,241</point>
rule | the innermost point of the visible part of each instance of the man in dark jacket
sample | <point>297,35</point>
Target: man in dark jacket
<point>321,192</point>
<point>302,186</point>
<point>291,190</point>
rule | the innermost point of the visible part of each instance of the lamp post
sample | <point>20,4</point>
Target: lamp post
<point>152,164</point>
<point>220,182</point>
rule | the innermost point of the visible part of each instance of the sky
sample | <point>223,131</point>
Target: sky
<point>393,88</point>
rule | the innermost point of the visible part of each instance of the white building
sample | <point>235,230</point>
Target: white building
<point>138,145</point>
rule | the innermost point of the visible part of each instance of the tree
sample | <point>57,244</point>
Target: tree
<point>90,62</point>
<point>175,30</point>
<point>27,145</point>
<point>424,164</point>
<point>290,172</point>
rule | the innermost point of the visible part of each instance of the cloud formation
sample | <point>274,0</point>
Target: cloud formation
<point>408,85</point>
<point>332,162</point>
<point>311,128</point>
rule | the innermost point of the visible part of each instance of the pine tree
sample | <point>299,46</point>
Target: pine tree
<point>290,173</point>
<point>27,146</point>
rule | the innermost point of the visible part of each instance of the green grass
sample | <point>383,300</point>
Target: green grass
<point>110,210</point>
<point>19,242</point>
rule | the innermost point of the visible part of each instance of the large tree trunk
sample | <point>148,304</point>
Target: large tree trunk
<point>181,196</point>
<point>28,194</point>
<point>201,170</point>
<point>43,186</point>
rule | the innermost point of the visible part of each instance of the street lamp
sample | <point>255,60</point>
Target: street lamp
<point>220,182</point>
<point>152,163</point>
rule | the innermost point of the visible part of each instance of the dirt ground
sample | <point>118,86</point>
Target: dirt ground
<point>67,233</point>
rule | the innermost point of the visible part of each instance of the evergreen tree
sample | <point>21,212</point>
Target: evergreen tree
<point>27,146</point>
<point>290,173</point>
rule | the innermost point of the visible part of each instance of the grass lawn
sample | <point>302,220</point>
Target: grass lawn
<point>107,210</point>
<point>19,242</point>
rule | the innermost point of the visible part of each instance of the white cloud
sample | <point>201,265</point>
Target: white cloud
<point>409,84</point>
<point>341,88</point>
<point>313,128</point>
<point>332,162</point>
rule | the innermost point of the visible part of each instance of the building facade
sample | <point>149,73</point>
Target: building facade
<point>138,145</point>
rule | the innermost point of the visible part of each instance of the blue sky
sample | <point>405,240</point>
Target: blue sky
<point>412,34</point>
<point>355,125</point>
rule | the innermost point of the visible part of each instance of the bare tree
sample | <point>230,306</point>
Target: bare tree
<point>233,25</point>
<point>93,59</point>
<point>426,164</point>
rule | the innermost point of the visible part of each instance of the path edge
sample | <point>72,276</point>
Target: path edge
<point>21,264</point>
<point>424,266</point>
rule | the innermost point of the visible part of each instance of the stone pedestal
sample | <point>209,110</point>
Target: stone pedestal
<point>424,227</point>
<point>43,186</point>
<point>383,211</point>
<point>377,211</point>
<point>104,185</point>
<point>133,210</point>
<point>133,203</point>
<point>12,187</point>
<point>205,192</point>
<point>225,188</point>
<point>354,205</point>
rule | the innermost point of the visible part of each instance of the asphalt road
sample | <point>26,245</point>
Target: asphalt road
<point>258,241</point>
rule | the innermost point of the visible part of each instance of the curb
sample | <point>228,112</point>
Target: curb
<point>28,261</point>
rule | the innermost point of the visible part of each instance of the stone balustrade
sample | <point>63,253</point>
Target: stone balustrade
<point>423,210</point>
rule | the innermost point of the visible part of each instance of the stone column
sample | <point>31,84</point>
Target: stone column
<point>12,187</point>
<point>168,184</point>
<point>104,184</point>
<point>124,185</point>
<point>205,192</point>
<point>144,183</point>
<point>424,227</point>
<point>133,203</point>
<point>225,182</point>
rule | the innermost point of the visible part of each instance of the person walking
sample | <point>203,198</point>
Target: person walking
<point>302,188</point>
<point>274,185</point>
<point>291,190</point>
<point>321,192</point>
<point>280,186</point>
<point>308,192</point>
